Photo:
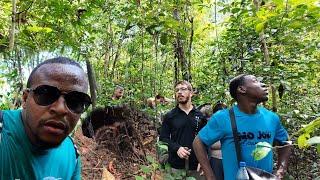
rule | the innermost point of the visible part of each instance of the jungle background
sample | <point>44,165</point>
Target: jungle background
<point>148,45</point>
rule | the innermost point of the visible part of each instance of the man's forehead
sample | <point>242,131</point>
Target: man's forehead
<point>61,73</point>
<point>250,77</point>
<point>181,85</point>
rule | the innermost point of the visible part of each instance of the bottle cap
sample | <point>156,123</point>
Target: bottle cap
<point>242,164</point>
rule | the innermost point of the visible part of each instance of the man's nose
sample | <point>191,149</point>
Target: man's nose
<point>59,106</point>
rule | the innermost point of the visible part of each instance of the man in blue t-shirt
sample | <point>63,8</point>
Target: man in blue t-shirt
<point>255,124</point>
<point>35,142</point>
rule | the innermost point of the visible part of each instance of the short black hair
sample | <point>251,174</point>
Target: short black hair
<point>159,96</point>
<point>235,83</point>
<point>57,60</point>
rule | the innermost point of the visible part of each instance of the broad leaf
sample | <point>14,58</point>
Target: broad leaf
<point>145,169</point>
<point>260,27</point>
<point>138,177</point>
<point>150,159</point>
<point>302,140</point>
<point>261,151</point>
<point>314,140</point>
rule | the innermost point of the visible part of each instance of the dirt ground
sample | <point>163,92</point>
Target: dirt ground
<point>118,149</point>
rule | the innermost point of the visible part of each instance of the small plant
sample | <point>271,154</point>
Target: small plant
<point>304,140</point>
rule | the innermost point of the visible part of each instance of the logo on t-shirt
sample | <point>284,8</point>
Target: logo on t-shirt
<point>248,137</point>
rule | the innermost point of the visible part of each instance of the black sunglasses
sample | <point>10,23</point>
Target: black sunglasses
<point>77,102</point>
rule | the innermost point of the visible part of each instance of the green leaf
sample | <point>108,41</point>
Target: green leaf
<point>191,178</point>
<point>314,140</point>
<point>261,151</point>
<point>296,24</point>
<point>235,10</point>
<point>264,144</point>
<point>39,29</point>
<point>150,159</point>
<point>163,39</point>
<point>138,177</point>
<point>259,27</point>
<point>318,148</point>
<point>302,140</point>
<point>145,169</point>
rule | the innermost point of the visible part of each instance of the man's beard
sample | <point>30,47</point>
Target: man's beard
<point>263,99</point>
<point>45,145</point>
<point>184,101</point>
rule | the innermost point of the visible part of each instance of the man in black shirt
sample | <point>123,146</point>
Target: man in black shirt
<point>179,128</point>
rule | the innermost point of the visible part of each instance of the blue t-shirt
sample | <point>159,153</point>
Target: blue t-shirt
<point>263,126</point>
<point>19,159</point>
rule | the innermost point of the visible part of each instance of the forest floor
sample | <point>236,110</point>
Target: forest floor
<point>118,152</point>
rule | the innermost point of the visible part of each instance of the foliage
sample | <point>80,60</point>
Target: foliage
<point>134,44</point>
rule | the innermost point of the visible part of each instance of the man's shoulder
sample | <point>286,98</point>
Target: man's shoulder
<point>267,112</point>
<point>68,143</point>
<point>171,113</point>
<point>222,113</point>
<point>11,114</point>
<point>11,118</point>
<point>67,147</point>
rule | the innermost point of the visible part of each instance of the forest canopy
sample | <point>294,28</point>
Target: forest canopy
<point>146,46</point>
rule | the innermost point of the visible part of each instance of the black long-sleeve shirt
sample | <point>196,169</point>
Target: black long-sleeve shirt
<point>179,130</point>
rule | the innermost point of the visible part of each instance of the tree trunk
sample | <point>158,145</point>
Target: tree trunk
<point>262,38</point>
<point>176,72</point>
<point>142,64</point>
<point>274,98</point>
<point>266,56</point>
<point>106,61</point>
<point>13,25</point>
<point>155,83</point>
<point>179,51</point>
<point>17,98</point>
<point>116,58</point>
<point>190,47</point>
<point>92,83</point>
<point>108,52</point>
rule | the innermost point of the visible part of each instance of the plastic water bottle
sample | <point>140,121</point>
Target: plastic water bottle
<point>242,173</point>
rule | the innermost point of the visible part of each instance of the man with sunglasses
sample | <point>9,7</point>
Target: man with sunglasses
<point>179,128</point>
<point>35,142</point>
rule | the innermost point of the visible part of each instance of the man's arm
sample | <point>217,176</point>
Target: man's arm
<point>165,135</point>
<point>202,156</point>
<point>284,150</point>
<point>284,153</point>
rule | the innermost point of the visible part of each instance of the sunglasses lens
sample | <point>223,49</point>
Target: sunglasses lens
<point>45,95</point>
<point>77,102</point>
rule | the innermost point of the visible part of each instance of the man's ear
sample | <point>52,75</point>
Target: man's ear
<point>241,89</point>
<point>24,98</point>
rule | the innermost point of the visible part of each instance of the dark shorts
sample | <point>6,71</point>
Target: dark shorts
<point>217,168</point>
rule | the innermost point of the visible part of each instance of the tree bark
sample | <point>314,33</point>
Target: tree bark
<point>116,58</point>
<point>13,25</point>
<point>262,38</point>
<point>190,47</point>
<point>180,52</point>
<point>274,98</point>
<point>92,83</point>
<point>266,56</point>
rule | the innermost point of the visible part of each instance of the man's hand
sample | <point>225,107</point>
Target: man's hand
<point>200,170</point>
<point>184,152</point>
<point>280,172</point>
